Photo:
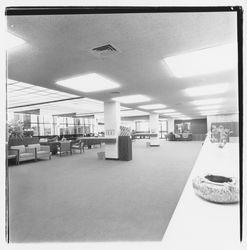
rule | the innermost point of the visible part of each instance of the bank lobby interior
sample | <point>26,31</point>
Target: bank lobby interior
<point>109,115</point>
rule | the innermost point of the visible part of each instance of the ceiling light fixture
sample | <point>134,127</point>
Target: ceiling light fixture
<point>133,112</point>
<point>132,99</point>
<point>208,101</point>
<point>164,111</point>
<point>204,61</point>
<point>207,90</point>
<point>10,81</point>
<point>210,112</point>
<point>175,114</point>
<point>183,118</point>
<point>88,83</point>
<point>208,107</point>
<point>152,106</point>
<point>13,41</point>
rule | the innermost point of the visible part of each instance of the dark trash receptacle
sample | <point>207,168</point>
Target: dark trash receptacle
<point>125,148</point>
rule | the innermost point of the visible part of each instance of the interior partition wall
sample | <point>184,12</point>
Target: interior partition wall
<point>197,127</point>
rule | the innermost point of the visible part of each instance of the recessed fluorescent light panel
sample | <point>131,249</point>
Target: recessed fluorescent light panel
<point>174,114</point>
<point>10,81</point>
<point>152,106</point>
<point>208,90</point>
<point>207,101</point>
<point>182,117</point>
<point>208,107</point>
<point>185,118</point>
<point>133,112</point>
<point>209,112</point>
<point>13,41</point>
<point>132,99</point>
<point>205,61</point>
<point>88,83</point>
<point>164,111</point>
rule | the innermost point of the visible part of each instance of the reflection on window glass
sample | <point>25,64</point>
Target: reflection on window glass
<point>183,127</point>
<point>34,127</point>
<point>48,125</point>
<point>163,127</point>
<point>142,126</point>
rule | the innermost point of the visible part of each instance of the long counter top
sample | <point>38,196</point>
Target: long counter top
<point>98,139</point>
<point>144,135</point>
<point>197,223</point>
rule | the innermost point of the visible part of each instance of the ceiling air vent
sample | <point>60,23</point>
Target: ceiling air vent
<point>105,50</point>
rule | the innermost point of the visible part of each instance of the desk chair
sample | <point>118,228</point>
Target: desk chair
<point>78,145</point>
<point>65,146</point>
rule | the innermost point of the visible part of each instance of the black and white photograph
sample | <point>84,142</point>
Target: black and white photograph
<point>124,124</point>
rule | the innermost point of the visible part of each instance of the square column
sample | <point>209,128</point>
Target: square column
<point>154,129</point>
<point>95,125</point>
<point>112,128</point>
<point>171,125</point>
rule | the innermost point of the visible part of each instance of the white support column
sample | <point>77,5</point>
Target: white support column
<point>112,128</point>
<point>95,125</point>
<point>154,129</point>
<point>170,125</point>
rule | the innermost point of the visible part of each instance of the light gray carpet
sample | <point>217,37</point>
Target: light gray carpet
<point>81,198</point>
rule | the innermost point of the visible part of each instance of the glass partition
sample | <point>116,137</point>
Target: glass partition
<point>48,125</point>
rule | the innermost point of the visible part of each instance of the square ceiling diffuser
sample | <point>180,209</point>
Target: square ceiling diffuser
<point>152,106</point>
<point>88,83</point>
<point>131,99</point>
<point>204,61</point>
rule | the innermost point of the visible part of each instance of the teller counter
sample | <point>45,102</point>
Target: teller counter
<point>89,141</point>
<point>197,223</point>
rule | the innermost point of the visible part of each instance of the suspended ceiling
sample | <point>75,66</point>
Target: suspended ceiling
<point>60,46</point>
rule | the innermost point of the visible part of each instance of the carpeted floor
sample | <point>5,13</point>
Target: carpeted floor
<point>81,198</point>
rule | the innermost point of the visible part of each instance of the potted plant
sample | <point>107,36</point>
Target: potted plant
<point>15,129</point>
<point>220,135</point>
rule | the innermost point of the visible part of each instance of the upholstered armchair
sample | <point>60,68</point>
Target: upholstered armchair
<point>177,137</point>
<point>40,151</point>
<point>24,153</point>
<point>64,147</point>
<point>77,145</point>
<point>187,136</point>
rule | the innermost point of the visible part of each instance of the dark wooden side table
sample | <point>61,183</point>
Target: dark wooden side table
<point>10,157</point>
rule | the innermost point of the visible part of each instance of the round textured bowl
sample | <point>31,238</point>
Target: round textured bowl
<point>215,188</point>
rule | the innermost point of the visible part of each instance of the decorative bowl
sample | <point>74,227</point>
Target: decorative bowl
<point>216,188</point>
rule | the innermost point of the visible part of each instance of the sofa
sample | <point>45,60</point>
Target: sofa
<point>23,153</point>
<point>27,148</point>
<point>41,151</point>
